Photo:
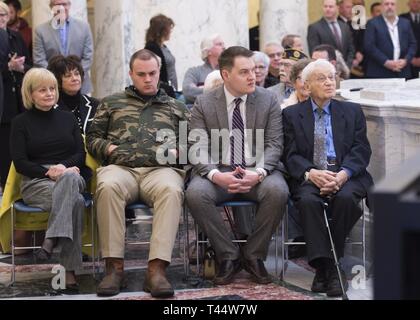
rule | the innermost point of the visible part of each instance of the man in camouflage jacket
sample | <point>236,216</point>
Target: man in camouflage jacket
<point>127,136</point>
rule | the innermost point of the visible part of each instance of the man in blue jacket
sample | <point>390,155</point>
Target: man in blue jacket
<point>390,44</point>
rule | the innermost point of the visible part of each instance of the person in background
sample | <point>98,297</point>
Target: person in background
<point>262,62</point>
<point>157,34</point>
<point>74,37</point>
<point>18,63</point>
<point>292,41</point>
<point>18,24</point>
<point>390,44</point>
<point>414,17</point>
<point>69,74</point>
<point>301,93</point>
<point>49,153</point>
<point>284,89</point>
<point>274,51</point>
<point>211,48</point>
<point>375,10</point>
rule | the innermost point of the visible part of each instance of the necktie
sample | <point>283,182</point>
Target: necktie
<point>336,34</point>
<point>320,150</point>
<point>63,38</point>
<point>288,91</point>
<point>237,143</point>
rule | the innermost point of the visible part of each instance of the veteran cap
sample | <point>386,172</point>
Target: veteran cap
<point>293,54</point>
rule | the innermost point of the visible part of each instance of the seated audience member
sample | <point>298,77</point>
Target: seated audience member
<point>327,52</point>
<point>69,73</point>
<point>48,152</point>
<point>292,41</point>
<point>124,138</point>
<point>301,93</point>
<point>262,62</point>
<point>326,154</point>
<point>236,175</point>
<point>213,80</point>
<point>284,89</point>
<point>274,51</point>
<point>211,48</point>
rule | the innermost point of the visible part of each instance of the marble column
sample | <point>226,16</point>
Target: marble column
<point>41,11</point>
<point>279,18</point>
<point>120,29</point>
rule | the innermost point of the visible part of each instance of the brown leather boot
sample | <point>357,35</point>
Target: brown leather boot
<point>156,282</point>
<point>113,281</point>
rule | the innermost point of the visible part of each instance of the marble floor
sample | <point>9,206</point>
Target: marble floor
<point>34,280</point>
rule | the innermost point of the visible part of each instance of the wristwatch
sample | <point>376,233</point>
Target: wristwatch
<point>260,176</point>
<point>307,176</point>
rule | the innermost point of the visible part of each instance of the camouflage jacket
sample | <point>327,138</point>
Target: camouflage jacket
<point>135,126</point>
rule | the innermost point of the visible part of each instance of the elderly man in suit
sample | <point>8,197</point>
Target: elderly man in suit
<point>331,31</point>
<point>249,120</point>
<point>390,44</point>
<point>326,154</point>
<point>73,37</point>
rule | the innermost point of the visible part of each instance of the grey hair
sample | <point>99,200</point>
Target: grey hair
<point>207,44</point>
<point>272,44</point>
<point>261,57</point>
<point>317,64</point>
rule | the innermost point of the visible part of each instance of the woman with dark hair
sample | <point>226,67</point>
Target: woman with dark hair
<point>69,74</point>
<point>159,31</point>
<point>18,62</point>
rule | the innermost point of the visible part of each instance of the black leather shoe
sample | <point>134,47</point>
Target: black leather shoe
<point>333,284</point>
<point>320,281</point>
<point>227,270</point>
<point>257,269</point>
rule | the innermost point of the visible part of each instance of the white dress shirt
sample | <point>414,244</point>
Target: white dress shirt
<point>395,37</point>
<point>230,103</point>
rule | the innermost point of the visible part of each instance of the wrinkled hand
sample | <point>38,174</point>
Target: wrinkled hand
<point>321,178</point>
<point>335,186</point>
<point>55,172</point>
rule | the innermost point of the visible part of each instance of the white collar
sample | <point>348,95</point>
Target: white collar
<point>230,97</point>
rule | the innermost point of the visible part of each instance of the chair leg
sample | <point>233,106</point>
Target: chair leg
<point>92,217</point>
<point>186,241</point>
<point>13,276</point>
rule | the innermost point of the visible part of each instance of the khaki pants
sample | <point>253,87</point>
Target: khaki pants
<point>160,188</point>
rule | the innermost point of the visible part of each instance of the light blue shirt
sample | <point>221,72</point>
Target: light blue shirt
<point>329,141</point>
<point>64,37</point>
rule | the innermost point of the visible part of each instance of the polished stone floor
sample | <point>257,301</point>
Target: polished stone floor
<point>34,280</point>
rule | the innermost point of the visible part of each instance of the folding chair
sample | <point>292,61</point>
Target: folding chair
<point>226,205</point>
<point>19,207</point>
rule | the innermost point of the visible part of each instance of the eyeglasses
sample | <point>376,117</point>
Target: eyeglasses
<point>285,64</point>
<point>3,15</point>
<point>323,78</point>
<point>275,54</point>
<point>64,4</point>
<point>260,67</point>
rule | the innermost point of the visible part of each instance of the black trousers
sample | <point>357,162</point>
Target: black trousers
<point>5,159</point>
<point>344,211</point>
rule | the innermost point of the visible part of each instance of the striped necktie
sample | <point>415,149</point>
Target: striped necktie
<point>320,149</point>
<point>237,138</point>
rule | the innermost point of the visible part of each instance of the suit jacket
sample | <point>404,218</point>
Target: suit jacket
<point>379,48</point>
<point>416,31</point>
<point>262,112</point>
<point>279,89</point>
<point>320,33</point>
<point>80,43</point>
<point>4,49</point>
<point>349,134</point>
